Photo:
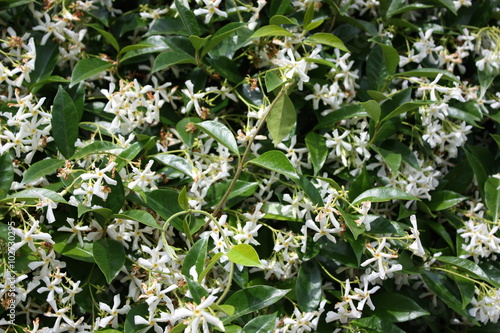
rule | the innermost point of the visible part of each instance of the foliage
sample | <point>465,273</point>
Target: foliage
<point>250,166</point>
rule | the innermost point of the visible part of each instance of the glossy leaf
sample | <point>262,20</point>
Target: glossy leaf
<point>381,194</point>
<point>376,324</point>
<point>165,203</point>
<point>492,197</point>
<point>261,324</point>
<point>271,31</point>
<point>281,119</point>
<point>391,58</point>
<point>406,107</point>
<point>253,299</point>
<point>346,112</point>
<point>104,212</point>
<point>188,19</point>
<point>308,286</point>
<point>280,20</point>
<point>276,161</point>
<point>169,58</point>
<point>317,150</point>
<point>41,169</point>
<point>35,194</point>
<point>45,62</point>
<point>272,81</point>
<point>407,155</point>
<point>223,33</point>
<point>327,39</point>
<point>397,307</point>
<point>139,310</point>
<point>97,147</point>
<point>220,133</point>
<point>392,159</point>
<point>467,265</point>
<point>197,291</point>
<point>109,37</point>
<point>373,109</point>
<point>443,200</point>
<point>244,254</point>
<point>430,73</point>
<point>75,251</point>
<point>376,71</point>
<point>7,174</point>
<point>88,67</point>
<point>139,216</point>
<point>176,162</point>
<point>64,123</point>
<point>109,255</point>
<point>195,257</point>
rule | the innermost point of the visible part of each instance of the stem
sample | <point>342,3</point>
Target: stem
<point>241,164</point>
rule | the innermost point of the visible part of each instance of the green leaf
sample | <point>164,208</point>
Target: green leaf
<point>183,199</point>
<point>253,299</point>
<point>223,33</point>
<point>438,284</point>
<point>64,123</point>
<point>188,19</point>
<point>381,194</point>
<point>88,67</point>
<point>41,169</point>
<point>272,81</point>
<point>35,194</point>
<point>308,286</point>
<point>430,73</point>
<point>309,189</point>
<point>261,324</point>
<point>139,216</point>
<point>176,162</point>
<point>308,16</point>
<point>406,107</point>
<point>376,324</point>
<point>195,257</point>
<point>94,148</point>
<point>443,200</point>
<point>362,183</point>
<point>478,167</point>
<point>7,174</point>
<point>492,197</point>
<point>186,136</point>
<point>109,37</point>
<point>469,266</point>
<point>244,254</point>
<point>220,133</point>
<point>45,62</point>
<point>109,255</point>
<point>281,119</point>
<point>271,31</point>
<point>169,58</point>
<point>197,291</point>
<point>400,148</point>
<point>346,112</point>
<point>276,161</point>
<point>104,212</point>
<point>280,20</point>
<point>165,203</point>
<point>448,4</point>
<point>376,71</point>
<point>211,264</point>
<point>240,191</point>
<point>392,159</point>
<point>466,288</point>
<point>351,224</point>
<point>226,68</point>
<point>317,150</point>
<point>326,39</point>
<point>391,57</point>
<point>373,109</point>
<point>73,250</point>
<point>139,310</point>
<point>396,307</point>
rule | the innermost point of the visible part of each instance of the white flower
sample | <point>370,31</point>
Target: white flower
<point>198,316</point>
<point>114,312</point>
<point>416,247</point>
<point>211,8</point>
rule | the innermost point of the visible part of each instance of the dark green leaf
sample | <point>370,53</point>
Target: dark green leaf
<point>45,62</point>
<point>406,107</point>
<point>351,224</point>
<point>88,67</point>
<point>492,197</point>
<point>346,112</point>
<point>64,123</point>
<point>308,286</point>
<point>41,169</point>
<point>478,167</point>
<point>448,4</point>
<point>186,136</point>
<point>272,81</point>
<point>196,257</point>
<point>7,174</point>
<point>398,147</point>
<point>253,299</point>
<point>104,212</point>
<point>35,194</point>
<point>109,37</point>
<point>220,133</point>
<point>281,119</point>
<point>396,307</point>
<point>97,147</point>
<point>276,161</point>
<point>317,150</point>
<point>430,73</point>
<point>169,58</point>
<point>139,216</point>
<point>176,162</point>
<point>165,203</point>
<point>381,194</point>
<point>309,189</point>
<point>226,68</point>
<point>75,251</point>
<point>109,255</point>
<point>223,33</point>
<point>469,266</point>
<point>188,19</point>
<point>466,287</point>
<point>376,324</point>
<point>376,73</point>
<point>197,291</point>
<point>261,324</point>
<point>443,200</point>
<point>139,310</point>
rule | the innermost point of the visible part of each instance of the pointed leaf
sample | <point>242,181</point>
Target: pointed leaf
<point>373,109</point>
<point>109,255</point>
<point>220,133</point>
<point>75,251</point>
<point>317,150</point>
<point>276,161</point>
<point>188,19</point>
<point>444,199</point>
<point>253,299</point>
<point>223,33</point>
<point>244,254</point>
<point>169,58</point>
<point>35,194</point>
<point>41,169</point>
<point>327,39</point>
<point>88,67</point>
<point>492,197</point>
<point>280,19</point>
<point>7,174</point>
<point>381,194</point>
<point>469,266</point>
<point>271,31</point>
<point>139,216</point>
<point>397,307</point>
<point>272,81</point>
<point>195,257</point>
<point>281,119</point>
<point>261,324</point>
<point>97,147</point>
<point>176,162</point>
<point>308,286</point>
<point>64,123</point>
<point>430,73</point>
<point>109,37</point>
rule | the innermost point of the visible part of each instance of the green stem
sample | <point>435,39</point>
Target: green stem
<point>241,164</point>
